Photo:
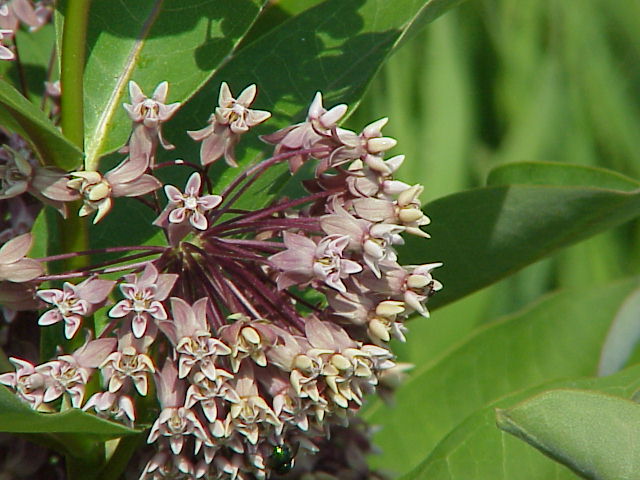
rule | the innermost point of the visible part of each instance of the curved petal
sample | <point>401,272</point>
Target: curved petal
<point>21,271</point>
<point>16,248</point>
<point>50,317</point>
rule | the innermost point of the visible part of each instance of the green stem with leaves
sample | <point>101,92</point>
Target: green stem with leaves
<point>74,39</point>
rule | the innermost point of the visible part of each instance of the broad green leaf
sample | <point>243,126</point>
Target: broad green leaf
<point>150,41</point>
<point>35,56</point>
<point>476,449</point>
<point>335,47</point>
<point>548,173</point>
<point>623,336</point>
<point>594,434</point>
<point>20,115</point>
<point>485,234</point>
<point>16,417</point>
<point>557,337</point>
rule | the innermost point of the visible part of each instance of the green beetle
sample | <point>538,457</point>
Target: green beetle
<point>281,459</point>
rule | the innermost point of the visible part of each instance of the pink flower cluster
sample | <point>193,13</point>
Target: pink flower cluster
<point>263,328</point>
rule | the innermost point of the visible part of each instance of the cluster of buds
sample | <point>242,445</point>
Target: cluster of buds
<point>261,329</point>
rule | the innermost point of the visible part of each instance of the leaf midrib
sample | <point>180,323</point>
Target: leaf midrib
<point>94,144</point>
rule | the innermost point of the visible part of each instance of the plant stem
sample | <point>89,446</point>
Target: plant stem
<point>74,39</point>
<point>74,231</point>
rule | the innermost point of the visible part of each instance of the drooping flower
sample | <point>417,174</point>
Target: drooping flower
<point>129,363</point>
<point>107,404</point>
<point>175,420</point>
<point>20,172</point>
<point>374,240</point>
<point>148,115</point>
<point>194,344</point>
<point>304,261</point>
<point>70,373</point>
<point>125,180</point>
<point>28,383</point>
<point>231,119</point>
<point>317,128</point>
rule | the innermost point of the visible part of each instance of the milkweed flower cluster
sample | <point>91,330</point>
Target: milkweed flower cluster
<point>258,330</point>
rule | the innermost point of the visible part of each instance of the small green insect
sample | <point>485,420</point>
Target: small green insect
<point>281,460</point>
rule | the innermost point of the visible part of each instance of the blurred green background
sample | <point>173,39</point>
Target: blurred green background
<point>496,81</point>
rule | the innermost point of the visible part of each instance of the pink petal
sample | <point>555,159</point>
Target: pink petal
<point>94,352</point>
<point>212,149</point>
<point>183,317</point>
<point>149,275</point>
<point>199,135</point>
<point>95,290</point>
<point>166,111</point>
<point>255,117</point>
<point>121,309</point>
<point>248,95</point>
<point>224,97</point>
<point>210,201</point>
<point>128,170</point>
<point>140,186</point>
<point>177,215</point>
<point>72,324</point>
<point>16,248</point>
<point>6,54</point>
<point>199,221</point>
<point>50,317</point>
<point>173,194</point>
<point>193,185</point>
<point>160,93</point>
<point>157,311</point>
<point>136,93</point>
<point>164,284</point>
<point>21,271</point>
<point>139,325</point>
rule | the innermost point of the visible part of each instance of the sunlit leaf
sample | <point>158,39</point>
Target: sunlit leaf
<point>20,115</point>
<point>592,433</point>
<point>623,336</point>
<point>477,449</point>
<point>485,234</point>
<point>151,41</point>
<point>17,417</point>
<point>557,337</point>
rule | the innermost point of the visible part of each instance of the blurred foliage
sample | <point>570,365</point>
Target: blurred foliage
<point>497,81</point>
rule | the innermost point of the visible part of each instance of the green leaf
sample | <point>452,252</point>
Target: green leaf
<point>557,337</point>
<point>151,41</point>
<point>35,55</point>
<point>17,417</point>
<point>485,234</point>
<point>623,336</point>
<point>335,47</point>
<point>594,434</point>
<point>476,449</point>
<point>21,116</point>
<point>548,173</point>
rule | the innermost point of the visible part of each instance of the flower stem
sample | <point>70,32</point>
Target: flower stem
<point>74,40</point>
<point>75,230</point>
